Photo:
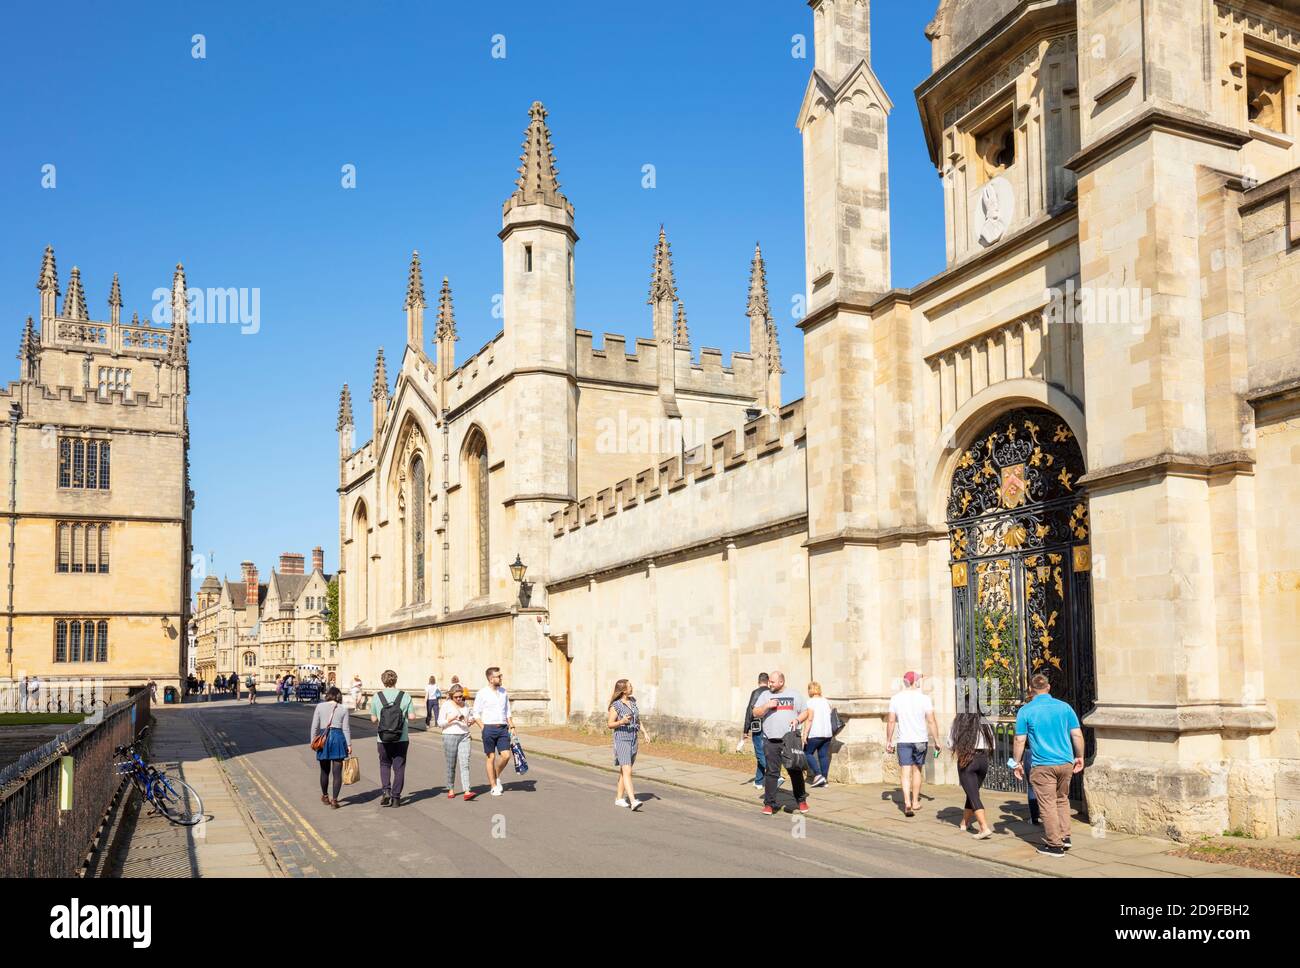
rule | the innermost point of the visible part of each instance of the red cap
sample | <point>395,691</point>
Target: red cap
<point>911,677</point>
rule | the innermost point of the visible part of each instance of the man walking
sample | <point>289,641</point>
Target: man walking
<point>780,712</point>
<point>392,710</point>
<point>492,709</point>
<point>1052,729</point>
<point>911,716</point>
<point>34,694</point>
<point>751,731</point>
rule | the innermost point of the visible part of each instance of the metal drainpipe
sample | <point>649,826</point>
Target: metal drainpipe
<point>446,517</point>
<point>15,414</point>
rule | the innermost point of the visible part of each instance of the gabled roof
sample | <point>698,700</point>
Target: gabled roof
<point>860,76</point>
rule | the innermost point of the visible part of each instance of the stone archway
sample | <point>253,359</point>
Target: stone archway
<point>1020,555</point>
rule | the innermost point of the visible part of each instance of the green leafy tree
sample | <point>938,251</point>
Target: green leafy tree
<point>332,599</point>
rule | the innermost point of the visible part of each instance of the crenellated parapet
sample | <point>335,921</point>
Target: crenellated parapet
<point>710,375</point>
<point>759,440</point>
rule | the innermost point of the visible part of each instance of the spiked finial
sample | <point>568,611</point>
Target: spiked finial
<point>379,391</point>
<point>758,304</point>
<point>27,345</point>
<point>773,348</point>
<point>446,314</point>
<point>682,336</point>
<point>49,280</point>
<point>538,179</point>
<point>179,341</point>
<point>345,409</point>
<point>74,303</point>
<point>415,283</point>
<point>662,283</point>
<point>115,294</point>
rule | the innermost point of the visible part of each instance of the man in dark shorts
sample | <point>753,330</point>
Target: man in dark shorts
<point>492,709</point>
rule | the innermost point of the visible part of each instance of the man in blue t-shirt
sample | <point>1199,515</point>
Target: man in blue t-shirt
<point>1053,731</point>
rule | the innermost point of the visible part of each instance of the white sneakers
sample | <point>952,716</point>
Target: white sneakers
<point>496,790</point>
<point>636,805</point>
<point>620,802</point>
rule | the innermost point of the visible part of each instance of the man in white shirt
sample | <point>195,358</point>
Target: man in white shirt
<point>911,716</point>
<point>492,709</point>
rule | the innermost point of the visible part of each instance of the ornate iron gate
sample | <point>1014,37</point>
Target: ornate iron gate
<point>1018,531</point>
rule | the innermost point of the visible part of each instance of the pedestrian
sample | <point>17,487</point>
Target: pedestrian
<point>432,696</point>
<point>392,710</point>
<point>970,738</point>
<point>751,731</point>
<point>355,690</point>
<point>331,718</point>
<point>780,712</point>
<point>625,720</point>
<point>455,719</point>
<point>34,694</point>
<point>279,689</point>
<point>818,735</point>
<point>23,696</point>
<point>232,681</point>
<point>1052,727</point>
<point>251,684</point>
<point>492,709</point>
<point>153,691</point>
<point>911,716</point>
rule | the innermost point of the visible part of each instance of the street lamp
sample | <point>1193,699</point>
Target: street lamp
<point>517,571</point>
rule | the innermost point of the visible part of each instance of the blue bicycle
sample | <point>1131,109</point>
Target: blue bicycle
<point>172,797</point>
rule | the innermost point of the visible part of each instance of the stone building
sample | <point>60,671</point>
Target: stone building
<point>1073,451</point>
<point>100,512</point>
<point>266,629</point>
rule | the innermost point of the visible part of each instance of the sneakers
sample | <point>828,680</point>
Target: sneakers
<point>636,805</point>
<point>984,834</point>
<point>758,784</point>
<point>1067,843</point>
<point>1050,851</point>
<point>496,790</point>
<point>803,806</point>
<point>385,800</point>
<point>819,780</point>
<point>620,802</point>
<point>767,811</point>
<point>469,795</point>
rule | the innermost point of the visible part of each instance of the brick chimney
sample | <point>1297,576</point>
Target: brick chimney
<point>318,559</point>
<point>250,583</point>
<point>290,563</point>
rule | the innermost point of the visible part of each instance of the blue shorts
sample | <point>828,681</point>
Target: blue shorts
<point>912,754</point>
<point>496,739</point>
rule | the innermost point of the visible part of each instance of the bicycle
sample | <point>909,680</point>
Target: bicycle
<point>172,797</point>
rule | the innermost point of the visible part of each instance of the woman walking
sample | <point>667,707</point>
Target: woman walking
<point>332,720</point>
<point>251,683</point>
<point>455,721</point>
<point>625,721</point>
<point>432,696</point>
<point>355,690</point>
<point>817,739</point>
<point>971,741</point>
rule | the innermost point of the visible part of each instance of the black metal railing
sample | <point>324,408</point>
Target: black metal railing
<point>37,837</point>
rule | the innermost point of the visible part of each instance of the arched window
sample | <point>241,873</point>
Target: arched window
<point>476,479</point>
<point>101,650</point>
<point>74,643</point>
<point>418,552</point>
<point>360,565</point>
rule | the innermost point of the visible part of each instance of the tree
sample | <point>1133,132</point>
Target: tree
<point>332,599</point>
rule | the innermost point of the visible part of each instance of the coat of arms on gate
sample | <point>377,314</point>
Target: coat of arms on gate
<point>1015,488</point>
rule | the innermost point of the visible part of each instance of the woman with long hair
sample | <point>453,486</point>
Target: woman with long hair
<point>331,718</point>
<point>625,721</point>
<point>971,741</point>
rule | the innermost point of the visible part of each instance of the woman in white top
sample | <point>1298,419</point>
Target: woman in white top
<point>971,741</point>
<point>355,689</point>
<point>455,719</point>
<point>818,735</point>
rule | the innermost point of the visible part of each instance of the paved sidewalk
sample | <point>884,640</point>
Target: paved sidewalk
<point>226,844</point>
<point>877,808</point>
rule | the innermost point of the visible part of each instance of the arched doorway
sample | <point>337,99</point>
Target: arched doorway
<point>1019,538</point>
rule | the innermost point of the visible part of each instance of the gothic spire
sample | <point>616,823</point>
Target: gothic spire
<point>773,348</point>
<point>446,314</point>
<point>538,179</point>
<point>115,301</point>
<point>178,343</point>
<point>662,283</point>
<point>682,336</point>
<point>27,345</point>
<point>74,303</point>
<point>758,304</point>
<point>49,280</point>
<point>345,409</point>
<point>379,391</point>
<point>415,284</point>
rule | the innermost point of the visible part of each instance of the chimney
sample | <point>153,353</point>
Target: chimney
<point>250,583</point>
<point>290,563</point>
<point>318,559</point>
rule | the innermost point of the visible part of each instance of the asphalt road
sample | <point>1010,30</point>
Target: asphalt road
<point>557,820</point>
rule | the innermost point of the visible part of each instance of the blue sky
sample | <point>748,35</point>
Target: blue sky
<point>232,164</point>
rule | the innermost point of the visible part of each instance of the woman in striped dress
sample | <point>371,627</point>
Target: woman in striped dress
<point>625,721</point>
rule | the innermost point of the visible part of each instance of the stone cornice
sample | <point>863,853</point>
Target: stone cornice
<point>1285,392</point>
<point>1164,465</point>
<point>538,223</point>
<point>517,498</point>
<point>1162,119</point>
<point>882,537</point>
<point>474,614</point>
<point>1200,718</point>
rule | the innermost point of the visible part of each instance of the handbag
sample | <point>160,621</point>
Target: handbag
<point>318,743</point>
<point>837,724</point>
<point>792,755</point>
<point>351,770</point>
<point>517,752</point>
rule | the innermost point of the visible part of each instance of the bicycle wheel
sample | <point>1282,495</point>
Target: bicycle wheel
<point>178,801</point>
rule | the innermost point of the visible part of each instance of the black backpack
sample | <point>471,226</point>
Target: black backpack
<point>390,718</point>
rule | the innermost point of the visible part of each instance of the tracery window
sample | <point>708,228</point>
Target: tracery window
<point>84,464</point>
<point>417,529</point>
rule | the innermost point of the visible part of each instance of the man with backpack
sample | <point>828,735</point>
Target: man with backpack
<point>780,712</point>
<point>392,710</point>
